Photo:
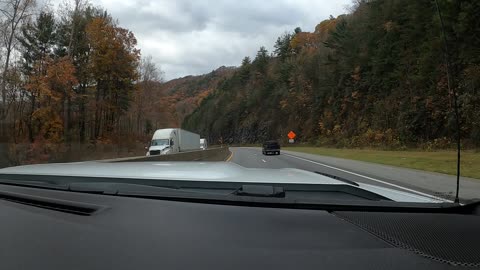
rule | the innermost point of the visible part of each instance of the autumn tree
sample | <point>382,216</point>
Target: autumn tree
<point>74,75</point>
<point>74,44</point>
<point>113,65</point>
<point>144,96</point>
<point>51,86</point>
<point>38,41</point>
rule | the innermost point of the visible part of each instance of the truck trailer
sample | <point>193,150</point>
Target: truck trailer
<point>173,140</point>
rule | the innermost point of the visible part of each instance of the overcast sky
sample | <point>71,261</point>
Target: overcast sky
<point>192,37</point>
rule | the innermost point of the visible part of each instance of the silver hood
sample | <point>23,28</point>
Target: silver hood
<point>199,171</point>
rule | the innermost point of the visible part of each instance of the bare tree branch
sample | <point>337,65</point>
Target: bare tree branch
<point>15,11</point>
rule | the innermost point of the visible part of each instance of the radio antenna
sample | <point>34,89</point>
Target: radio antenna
<point>455,101</point>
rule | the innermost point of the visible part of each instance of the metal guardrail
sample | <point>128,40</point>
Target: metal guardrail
<point>214,154</point>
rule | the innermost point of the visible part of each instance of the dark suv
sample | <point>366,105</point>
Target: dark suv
<point>271,147</point>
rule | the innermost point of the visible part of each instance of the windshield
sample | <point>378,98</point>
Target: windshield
<point>380,93</point>
<point>160,142</point>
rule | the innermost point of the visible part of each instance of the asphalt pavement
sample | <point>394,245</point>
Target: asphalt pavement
<point>416,181</point>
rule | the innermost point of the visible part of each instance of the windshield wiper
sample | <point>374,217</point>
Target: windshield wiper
<point>107,188</point>
<point>35,184</point>
<point>115,188</point>
<point>272,198</point>
<point>339,178</point>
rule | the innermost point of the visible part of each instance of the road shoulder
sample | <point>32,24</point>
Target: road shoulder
<point>439,184</point>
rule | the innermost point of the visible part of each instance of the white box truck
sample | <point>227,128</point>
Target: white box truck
<point>203,144</point>
<point>173,140</point>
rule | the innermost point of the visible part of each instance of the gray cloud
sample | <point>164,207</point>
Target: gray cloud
<point>196,36</point>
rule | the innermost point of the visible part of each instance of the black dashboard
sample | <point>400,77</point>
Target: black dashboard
<point>112,232</point>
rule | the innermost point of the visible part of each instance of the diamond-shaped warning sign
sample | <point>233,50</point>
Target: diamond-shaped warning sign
<point>291,135</point>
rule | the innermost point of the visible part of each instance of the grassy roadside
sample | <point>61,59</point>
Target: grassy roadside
<point>438,161</point>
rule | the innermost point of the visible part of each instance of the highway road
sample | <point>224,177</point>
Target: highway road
<point>420,182</point>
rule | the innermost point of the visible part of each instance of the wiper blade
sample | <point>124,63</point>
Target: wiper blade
<point>35,184</point>
<point>339,179</point>
<point>115,188</point>
<point>106,188</point>
<point>253,195</point>
<point>273,202</point>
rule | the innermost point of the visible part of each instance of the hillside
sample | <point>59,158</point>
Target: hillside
<point>374,77</point>
<point>173,100</point>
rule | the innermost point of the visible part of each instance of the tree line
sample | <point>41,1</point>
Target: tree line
<point>71,75</point>
<point>373,77</point>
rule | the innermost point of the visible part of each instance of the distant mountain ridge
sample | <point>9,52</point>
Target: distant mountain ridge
<point>179,97</point>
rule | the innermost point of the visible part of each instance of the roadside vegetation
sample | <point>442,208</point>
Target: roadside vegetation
<point>375,77</point>
<point>70,76</point>
<point>73,83</point>
<point>442,161</point>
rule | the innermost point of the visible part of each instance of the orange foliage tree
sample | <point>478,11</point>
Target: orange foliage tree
<point>113,66</point>
<point>50,87</point>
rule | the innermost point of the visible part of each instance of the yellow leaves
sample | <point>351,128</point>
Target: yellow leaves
<point>328,115</point>
<point>324,28</point>
<point>304,39</point>
<point>337,129</point>
<point>327,123</point>
<point>321,126</point>
<point>53,80</point>
<point>113,65</point>
<point>415,99</point>
<point>429,102</point>
<point>61,75</point>
<point>377,138</point>
<point>356,74</point>
<point>114,50</point>
<point>41,114</point>
<point>309,42</point>
<point>203,95</point>
<point>356,94</point>
<point>389,26</point>
<point>51,124</point>
<point>101,36</point>
<point>51,84</point>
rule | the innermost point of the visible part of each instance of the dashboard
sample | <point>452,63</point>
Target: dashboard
<point>49,229</point>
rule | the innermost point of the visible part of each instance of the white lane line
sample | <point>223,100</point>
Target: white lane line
<point>264,160</point>
<point>372,179</point>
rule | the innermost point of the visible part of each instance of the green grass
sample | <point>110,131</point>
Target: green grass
<point>438,161</point>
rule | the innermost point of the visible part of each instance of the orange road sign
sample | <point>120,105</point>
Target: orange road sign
<point>292,135</point>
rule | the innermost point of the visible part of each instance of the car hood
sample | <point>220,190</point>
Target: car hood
<point>199,171</point>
